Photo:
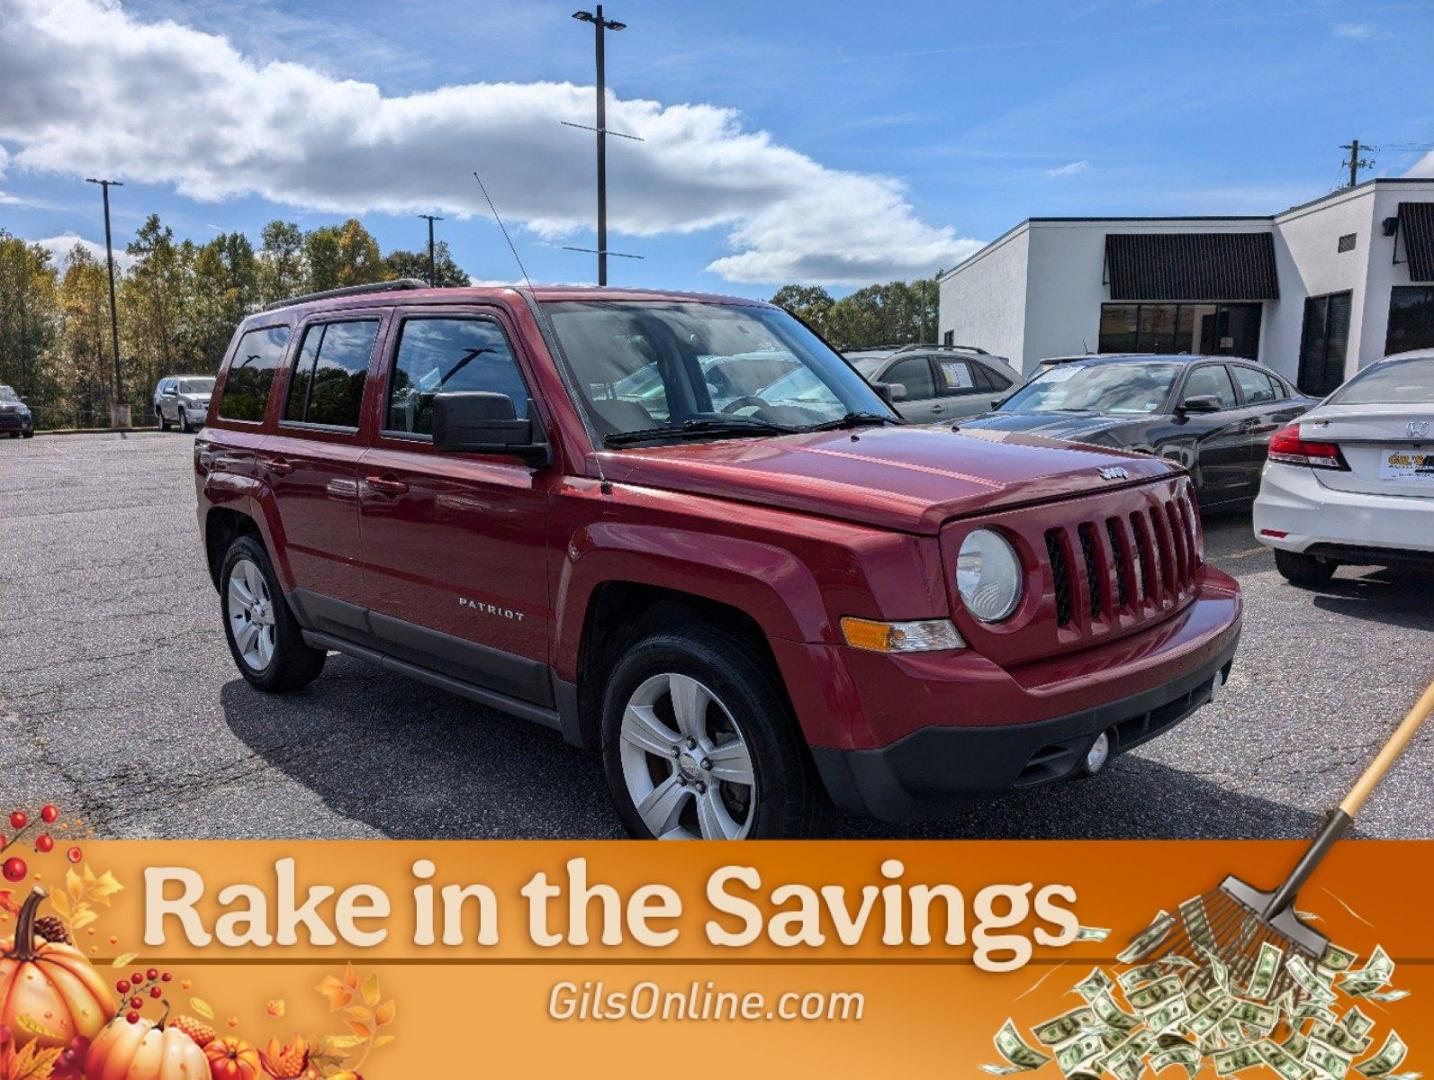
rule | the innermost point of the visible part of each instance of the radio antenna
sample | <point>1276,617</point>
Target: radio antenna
<point>496,217</point>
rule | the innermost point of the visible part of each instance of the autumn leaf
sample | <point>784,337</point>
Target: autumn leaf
<point>276,1008</point>
<point>103,888</point>
<point>370,990</point>
<point>123,960</point>
<point>61,903</point>
<point>338,994</point>
<point>384,1014</point>
<point>84,915</point>
<point>33,1063</point>
<point>359,1013</point>
<point>334,1044</point>
<point>363,1031</point>
<point>7,902</point>
<point>383,1040</point>
<point>351,979</point>
<point>202,1007</point>
<point>74,885</point>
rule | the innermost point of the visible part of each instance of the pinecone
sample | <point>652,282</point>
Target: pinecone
<point>52,929</point>
<point>197,1030</point>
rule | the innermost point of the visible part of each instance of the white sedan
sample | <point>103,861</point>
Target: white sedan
<point>1352,481</point>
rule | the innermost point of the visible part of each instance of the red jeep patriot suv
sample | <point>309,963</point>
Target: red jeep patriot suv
<point>681,530</point>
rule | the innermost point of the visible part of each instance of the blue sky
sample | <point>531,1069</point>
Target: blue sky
<point>826,142</point>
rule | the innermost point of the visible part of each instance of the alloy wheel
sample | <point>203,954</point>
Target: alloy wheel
<point>251,615</point>
<point>687,768</point>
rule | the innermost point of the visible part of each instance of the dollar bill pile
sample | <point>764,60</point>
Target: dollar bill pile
<point>1192,1011</point>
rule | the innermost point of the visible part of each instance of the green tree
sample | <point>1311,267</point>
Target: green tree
<point>281,261</point>
<point>414,264</point>
<point>341,255</point>
<point>810,303</point>
<point>152,300</point>
<point>86,369</point>
<point>28,319</point>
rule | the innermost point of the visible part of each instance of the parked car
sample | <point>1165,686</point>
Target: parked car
<point>744,608</point>
<point>182,400</point>
<point>16,420</point>
<point>1214,415</point>
<point>936,382</point>
<point>1353,481</point>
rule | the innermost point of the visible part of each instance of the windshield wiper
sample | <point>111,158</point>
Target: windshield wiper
<point>851,420</point>
<point>705,427</point>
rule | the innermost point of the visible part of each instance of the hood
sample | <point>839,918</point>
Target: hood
<point>1074,426</point>
<point>906,478</point>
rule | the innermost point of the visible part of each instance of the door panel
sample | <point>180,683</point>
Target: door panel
<point>455,544</point>
<point>964,390</point>
<point>915,376</point>
<point>1221,438</point>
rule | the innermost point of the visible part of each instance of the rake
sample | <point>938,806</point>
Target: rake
<point>1234,921</point>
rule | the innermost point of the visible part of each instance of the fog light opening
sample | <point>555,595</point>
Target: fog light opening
<point>1098,754</point>
<point>1217,684</point>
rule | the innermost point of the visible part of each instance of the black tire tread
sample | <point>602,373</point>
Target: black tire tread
<point>295,663</point>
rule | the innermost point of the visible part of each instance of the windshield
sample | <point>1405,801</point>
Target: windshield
<point>7,394</point>
<point>1397,382</point>
<point>196,386</point>
<point>1122,389</point>
<point>643,365</point>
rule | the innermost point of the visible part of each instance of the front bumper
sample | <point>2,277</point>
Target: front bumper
<point>10,421</point>
<point>1322,521</point>
<point>936,768</point>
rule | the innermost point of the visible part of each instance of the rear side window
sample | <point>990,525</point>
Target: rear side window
<point>251,373</point>
<point>958,377</point>
<point>446,356</point>
<point>1212,380</point>
<point>1257,387</point>
<point>329,374</point>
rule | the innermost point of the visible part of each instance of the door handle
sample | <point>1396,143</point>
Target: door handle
<point>938,408</point>
<point>279,465</point>
<point>387,484</point>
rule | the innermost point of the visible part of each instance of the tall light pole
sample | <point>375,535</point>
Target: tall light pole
<point>432,272</point>
<point>105,186</point>
<point>600,27</point>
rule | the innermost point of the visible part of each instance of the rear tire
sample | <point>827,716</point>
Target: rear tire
<point>699,742</point>
<point>1306,571</point>
<point>264,638</point>
<point>28,435</point>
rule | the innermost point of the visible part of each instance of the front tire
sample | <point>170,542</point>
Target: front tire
<point>1306,571</point>
<point>699,742</point>
<point>264,638</point>
<point>184,422</point>
<point>163,422</point>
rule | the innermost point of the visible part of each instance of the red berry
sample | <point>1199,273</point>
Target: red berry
<point>44,844</point>
<point>152,974</point>
<point>122,986</point>
<point>74,854</point>
<point>49,813</point>
<point>137,978</point>
<point>155,991</point>
<point>165,977</point>
<point>19,819</point>
<point>136,1003</point>
<point>132,1017</point>
<point>15,869</point>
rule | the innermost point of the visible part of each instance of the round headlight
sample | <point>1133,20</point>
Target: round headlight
<point>988,575</point>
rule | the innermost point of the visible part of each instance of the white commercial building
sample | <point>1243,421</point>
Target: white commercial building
<point>1315,292</point>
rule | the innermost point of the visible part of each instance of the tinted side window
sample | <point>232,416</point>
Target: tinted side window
<point>251,373</point>
<point>1256,386</point>
<point>914,373</point>
<point>990,379</point>
<point>958,377</point>
<point>1212,380</point>
<point>329,374</point>
<point>447,356</point>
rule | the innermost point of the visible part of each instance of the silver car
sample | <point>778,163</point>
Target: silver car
<point>931,383</point>
<point>183,400</point>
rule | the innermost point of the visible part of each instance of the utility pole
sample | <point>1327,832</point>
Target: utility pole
<point>600,27</point>
<point>1356,162</point>
<point>105,186</point>
<point>432,272</point>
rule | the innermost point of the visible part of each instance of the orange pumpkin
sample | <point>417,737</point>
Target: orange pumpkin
<point>144,1051</point>
<point>49,993</point>
<point>231,1058</point>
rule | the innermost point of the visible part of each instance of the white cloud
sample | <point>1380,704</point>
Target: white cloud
<point>91,89</point>
<point>1424,166</point>
<point>1075,168</point>
<point>60,247</point>
<point>1358,31</point>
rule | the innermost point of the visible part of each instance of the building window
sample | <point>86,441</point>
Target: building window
<point>1324,343</point>
<point>1206,329</point>
<point>1411,319</point>
<point>949,338</point>
<point>1346,242</point>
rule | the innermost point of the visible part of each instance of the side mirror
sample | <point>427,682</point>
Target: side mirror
<point>997,402</point>
<point>890,393</point>
<point>172,392</point>
<point>482,422</point>
<point>1200,403</point>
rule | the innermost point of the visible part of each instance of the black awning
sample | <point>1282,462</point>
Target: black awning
<point>1416,223</point>
<point>1191,266</point>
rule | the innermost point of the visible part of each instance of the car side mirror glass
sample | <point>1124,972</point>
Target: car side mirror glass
<point>890,393</point>
<point>1201,403</point>
<point>484,422</point>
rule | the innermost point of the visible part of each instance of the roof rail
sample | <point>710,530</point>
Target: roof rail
<point>917,347</point>
<point>350,290</point>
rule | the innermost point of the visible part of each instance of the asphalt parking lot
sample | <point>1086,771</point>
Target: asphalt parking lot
<point>118,699</point>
